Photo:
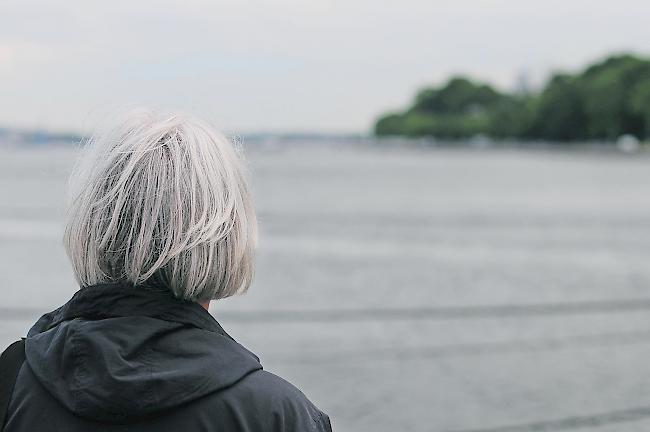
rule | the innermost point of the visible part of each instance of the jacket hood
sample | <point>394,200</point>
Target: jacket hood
<point>118,353</point>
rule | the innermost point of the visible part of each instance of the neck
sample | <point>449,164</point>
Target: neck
<point>206,305</point>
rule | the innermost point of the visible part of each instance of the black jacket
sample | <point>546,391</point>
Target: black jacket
<point>120,358</point>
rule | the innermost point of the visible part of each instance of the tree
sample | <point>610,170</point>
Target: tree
<point>558,112</point>
<point>459,109</point>
<point>608,89</point>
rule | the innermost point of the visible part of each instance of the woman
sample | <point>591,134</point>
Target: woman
<point>160,224</point>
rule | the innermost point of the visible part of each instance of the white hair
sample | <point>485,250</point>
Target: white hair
<point>162,199</point>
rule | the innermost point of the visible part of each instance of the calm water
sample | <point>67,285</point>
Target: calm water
<point>413,290</point>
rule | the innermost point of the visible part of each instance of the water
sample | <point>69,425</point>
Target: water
<point>413,290</point>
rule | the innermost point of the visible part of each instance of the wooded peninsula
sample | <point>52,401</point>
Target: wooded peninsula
<point>605,101</point>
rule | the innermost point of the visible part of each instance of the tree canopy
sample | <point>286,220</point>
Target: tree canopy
<point>606,100</point>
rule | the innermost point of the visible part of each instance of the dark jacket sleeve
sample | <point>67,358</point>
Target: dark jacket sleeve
<point>324,423</point>
<point>292,411</point>
<point>304,416</point>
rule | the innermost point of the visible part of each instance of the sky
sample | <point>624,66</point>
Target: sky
<point>286,65</point>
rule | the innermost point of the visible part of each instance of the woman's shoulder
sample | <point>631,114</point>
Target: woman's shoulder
<point>268,393</point>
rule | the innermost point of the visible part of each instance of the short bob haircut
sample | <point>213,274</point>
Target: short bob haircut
<point>164,200</point>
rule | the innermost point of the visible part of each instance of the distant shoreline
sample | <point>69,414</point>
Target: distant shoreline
<point>273,142</point>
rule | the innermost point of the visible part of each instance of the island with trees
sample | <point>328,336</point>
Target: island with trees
<point>605,101</point>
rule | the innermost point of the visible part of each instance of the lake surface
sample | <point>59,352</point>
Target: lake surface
<point>408,289</point>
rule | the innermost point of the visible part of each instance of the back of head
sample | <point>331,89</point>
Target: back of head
<point>164,199</point>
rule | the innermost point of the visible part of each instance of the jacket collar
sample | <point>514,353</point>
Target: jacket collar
<point>112,300</point>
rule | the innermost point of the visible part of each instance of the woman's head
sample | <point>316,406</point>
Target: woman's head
<point>164,199</point>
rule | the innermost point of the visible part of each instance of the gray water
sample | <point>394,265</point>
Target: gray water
<point>413,290</point>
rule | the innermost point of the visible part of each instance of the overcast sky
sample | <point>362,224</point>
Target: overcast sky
<point>286,65</point>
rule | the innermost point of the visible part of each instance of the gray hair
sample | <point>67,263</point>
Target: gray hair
<point>163,199</point>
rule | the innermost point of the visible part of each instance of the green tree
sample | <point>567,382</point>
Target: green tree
<point>558,112</point>
<point>459,109</point>
<point>512,118</point>
<point>608,89</point>
<point>458,96</point>
<point>639,105</point>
